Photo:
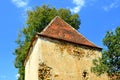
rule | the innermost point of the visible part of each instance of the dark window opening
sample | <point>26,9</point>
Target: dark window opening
<point>84,74</point>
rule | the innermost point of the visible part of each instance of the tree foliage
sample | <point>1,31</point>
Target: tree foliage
<point>110,61</point>
<point>100,67</point>
<point>36,21</point>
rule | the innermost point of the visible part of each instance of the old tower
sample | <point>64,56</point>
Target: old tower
<point>59,52</point>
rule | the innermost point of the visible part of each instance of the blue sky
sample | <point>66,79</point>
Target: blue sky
<point>97,17</point>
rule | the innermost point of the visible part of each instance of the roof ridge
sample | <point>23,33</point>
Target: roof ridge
<point>49,24</point>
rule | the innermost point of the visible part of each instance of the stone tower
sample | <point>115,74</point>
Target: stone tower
<point>59,52</point>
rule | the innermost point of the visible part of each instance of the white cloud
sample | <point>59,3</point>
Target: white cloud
<point>20,3</point>
<point>23,4</point>
<point>17,76</point>
<point>112,5</point>
<point>79,4</point>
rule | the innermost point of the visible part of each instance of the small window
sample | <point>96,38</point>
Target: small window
<point>85,75</point>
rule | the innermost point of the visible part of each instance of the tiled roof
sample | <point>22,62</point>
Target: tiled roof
<point>59,29</point>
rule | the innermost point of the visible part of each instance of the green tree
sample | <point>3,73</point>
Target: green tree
<point>110,61</point>
<point>36,21</point>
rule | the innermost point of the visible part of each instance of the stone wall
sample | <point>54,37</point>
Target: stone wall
<point>67,61</point>
<point>31,65</point>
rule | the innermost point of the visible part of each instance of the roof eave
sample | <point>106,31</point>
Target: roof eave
<point>39,34</point>
<point>31,46</point>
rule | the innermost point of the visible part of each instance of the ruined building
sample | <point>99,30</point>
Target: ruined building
<point>60,52</point>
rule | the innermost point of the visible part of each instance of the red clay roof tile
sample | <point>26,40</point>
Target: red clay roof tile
<point>59,29</point>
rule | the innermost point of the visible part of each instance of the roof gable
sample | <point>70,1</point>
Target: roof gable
<point>59,29</point>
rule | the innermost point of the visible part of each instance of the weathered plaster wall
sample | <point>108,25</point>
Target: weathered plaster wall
<point>61,61</point>
<point>31,67</point>
<point>68,61</point>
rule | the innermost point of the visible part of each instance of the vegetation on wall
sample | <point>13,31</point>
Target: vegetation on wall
<point>36,21</point>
